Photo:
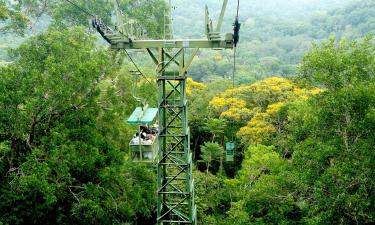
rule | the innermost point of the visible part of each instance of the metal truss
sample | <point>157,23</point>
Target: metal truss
<point>175,193</point>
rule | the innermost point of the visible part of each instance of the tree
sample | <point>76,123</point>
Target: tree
<point>3,11</point>
<point>328,138</point>
<point>332,67</point>
<point>199,112</point>
<point>15,20</point>
<point>148,13</point>
<point>264,188</point>
<point>337,146</point>
<point>254,97</point>
<point>211,152</point>
<point>62,149</point>
<point>215,126</point>
<point>194,87</point>
<point>254,107</point>
<point>212,197</point>
<point>26,14</point>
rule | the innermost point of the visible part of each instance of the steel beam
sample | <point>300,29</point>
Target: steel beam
<point>225,42</point>
<point>175,197</point>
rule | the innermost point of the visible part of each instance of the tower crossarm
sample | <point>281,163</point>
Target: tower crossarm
<point>111,36</point>
<point>122,41</point>
<point>226,42</point>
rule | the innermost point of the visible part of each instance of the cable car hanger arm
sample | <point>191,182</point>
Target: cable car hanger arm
<point>126,39</point>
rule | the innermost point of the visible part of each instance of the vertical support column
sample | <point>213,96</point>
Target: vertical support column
<point>162,140</point>
<point>175,186</point>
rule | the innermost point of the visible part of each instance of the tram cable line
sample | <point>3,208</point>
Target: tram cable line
<point>175,183</point>
<point>230,145</point>
<point>81,8</point>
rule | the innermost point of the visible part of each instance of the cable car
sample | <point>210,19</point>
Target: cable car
<point>229,151</point>
<point>144,148</point>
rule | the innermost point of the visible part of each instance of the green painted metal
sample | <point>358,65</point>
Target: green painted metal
<point>175,184</point>
<point>144,152</point>
<point>207,21</point>
<point>220,21</point>
<point>141,116</point>
<point>168,25</point>
<point>229,150</point>
<point>226,41</point>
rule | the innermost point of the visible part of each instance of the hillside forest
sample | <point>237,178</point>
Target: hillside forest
<point>299,104</point>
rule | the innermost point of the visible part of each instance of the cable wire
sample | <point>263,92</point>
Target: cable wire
<point>119,8</point>
<point>234,67</point>
<point>135,65</point>
<point>118,4</point>
<point>80,8</point>
<point>235,48</point>
<point>238,7</point>
<point>233,85</point>
<point>127,53</point>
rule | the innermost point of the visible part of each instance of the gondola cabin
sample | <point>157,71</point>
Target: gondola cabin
<point>144,144</point>
<point>229,151</point>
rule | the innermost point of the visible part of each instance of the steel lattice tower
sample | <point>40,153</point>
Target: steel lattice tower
<point>175,184</point>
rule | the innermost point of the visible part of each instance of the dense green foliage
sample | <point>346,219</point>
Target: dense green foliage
<point>63,137</point>
<point>27,18</point>
<point>16,20</point>
<point>317,167</point>
<point>274,33</point>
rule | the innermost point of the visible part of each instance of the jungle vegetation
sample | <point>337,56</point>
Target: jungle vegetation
<point>301,112</point>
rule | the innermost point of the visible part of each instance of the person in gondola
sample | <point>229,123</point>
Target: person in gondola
<point>143,129</point>
<point>135,139</point>
<point>154,129</point>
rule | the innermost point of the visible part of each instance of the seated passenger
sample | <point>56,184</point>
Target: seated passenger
<point>147,155</point>
<point>154,129</point>
<point>143,135</point>
<point>135,140</point>
<point>144,128</point>
<point>146,142</point>
<point>150,137</point>
<point>156,126</point>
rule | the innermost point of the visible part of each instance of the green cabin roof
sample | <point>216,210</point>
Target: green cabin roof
<point>142,117</point>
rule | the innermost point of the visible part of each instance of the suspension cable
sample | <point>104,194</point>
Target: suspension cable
<point>236,31</point>
<point>119,8</point>
<point>136,66</point>
<point>81,8</point>
<point>237,26</point>
<point>118,4</point>
<point>238,7</point>
<point>233,85</point>
<point>127,53</point>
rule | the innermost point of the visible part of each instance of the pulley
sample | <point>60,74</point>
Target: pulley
<point>236,27</point>
<point>236,31</point>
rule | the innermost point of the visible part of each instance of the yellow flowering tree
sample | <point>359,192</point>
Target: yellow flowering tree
<point>261,126</point>
<point>257,106</point>
<point>193,86</point>
<point>230,108</point>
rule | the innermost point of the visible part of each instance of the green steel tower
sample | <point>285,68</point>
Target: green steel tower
<point>175,184</point>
